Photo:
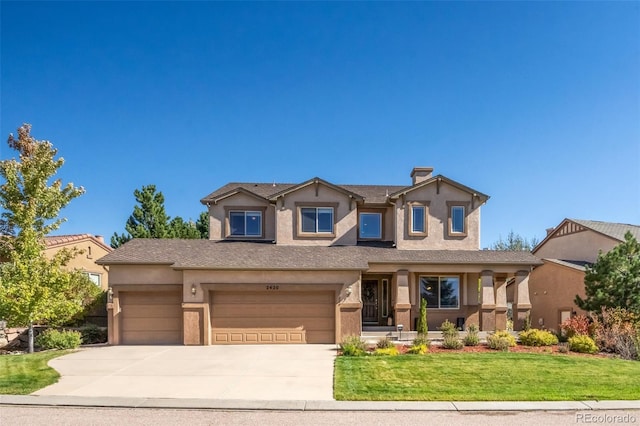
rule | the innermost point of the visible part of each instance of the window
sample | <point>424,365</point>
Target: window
<point>441,292</point>
<point>371,225</point>
<point>245,223</point>
<point>457,223</point>
<point>316,220</point>
<point>417,218</point>
<point>95,278</point>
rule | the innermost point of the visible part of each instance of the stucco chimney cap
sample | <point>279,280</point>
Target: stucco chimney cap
<point>420,174</point>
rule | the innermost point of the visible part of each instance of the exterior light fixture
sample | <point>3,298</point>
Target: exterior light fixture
<point>193,290</point>
<point>348,291</point>
<point>110,294</point>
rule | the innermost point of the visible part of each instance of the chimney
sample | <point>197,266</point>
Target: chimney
<point>100,238</point>
<point>550,230</point>
<point>420,174</point>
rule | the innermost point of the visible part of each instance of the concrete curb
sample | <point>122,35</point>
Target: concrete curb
<point>219,404</point>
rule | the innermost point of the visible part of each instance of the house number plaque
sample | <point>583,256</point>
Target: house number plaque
<point>273,287</point>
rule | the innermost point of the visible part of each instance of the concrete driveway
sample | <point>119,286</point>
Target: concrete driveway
<point>251,372</point>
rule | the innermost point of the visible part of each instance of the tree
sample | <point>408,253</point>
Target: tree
<point>150,220</point>
<point>422,326</point>
<point>613,281</point>
<point>514,242</point>
<point>34,289</point>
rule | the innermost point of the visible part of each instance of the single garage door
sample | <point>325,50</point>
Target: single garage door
<point>273,317</point>
<point>151,318</point>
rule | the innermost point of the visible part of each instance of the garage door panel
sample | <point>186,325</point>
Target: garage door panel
<point>151,337</point>
<point>151,317</point>
<point>142,324</point>
<point>151,311</point>
<point>273,317</point>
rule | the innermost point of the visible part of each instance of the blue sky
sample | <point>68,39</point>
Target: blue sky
<point>535,103</point>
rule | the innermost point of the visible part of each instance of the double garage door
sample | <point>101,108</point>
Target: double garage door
<point>272,317</point>
<point>242,317</point>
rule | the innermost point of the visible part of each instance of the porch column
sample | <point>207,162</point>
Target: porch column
<point>522,303</point>
<point>487,302</point>
<point>402,306</point>
<point>501,304</point>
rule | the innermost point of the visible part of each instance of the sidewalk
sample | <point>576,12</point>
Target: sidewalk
<point>218,404</point>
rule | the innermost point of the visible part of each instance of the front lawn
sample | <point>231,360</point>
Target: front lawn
<point>24,374</point>
<point>499,376</point>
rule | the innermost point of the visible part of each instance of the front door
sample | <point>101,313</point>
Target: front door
<point>370,301</point>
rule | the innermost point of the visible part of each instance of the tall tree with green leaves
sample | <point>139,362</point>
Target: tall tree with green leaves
<point>514,242</point>
<point>613,281</point>
<point>33,288</point>
<point>150,220</point>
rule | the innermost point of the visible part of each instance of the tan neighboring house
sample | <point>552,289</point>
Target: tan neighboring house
<point>314,262</point>
<point>565,251</point>
<point>93,248</point>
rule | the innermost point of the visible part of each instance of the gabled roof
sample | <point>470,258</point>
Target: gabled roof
<point>437,180</point>
<point>573,264</point>
<point>209,254</point>
<point>52,241</point>
<point>316,181</point>
<point>612,230</point>
<point>261,190</point>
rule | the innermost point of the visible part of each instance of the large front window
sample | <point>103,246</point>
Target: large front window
<point>371,225</point>
<point>441,292</point>
<point>317,220</point>
<point>245,223</point>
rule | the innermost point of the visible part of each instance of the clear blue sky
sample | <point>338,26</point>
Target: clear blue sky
<point>536,104</point>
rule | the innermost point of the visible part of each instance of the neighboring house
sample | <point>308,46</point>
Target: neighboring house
<point>314,262</point>
<point>565,252</point>
<point>91,248</point>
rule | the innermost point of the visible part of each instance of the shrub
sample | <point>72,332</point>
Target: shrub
<point>422,326</point>
<point>393,351</point>
<point>421,339</point>
<point>535,337</point>
<point>91,334</point>
<point>448,329</point>
<point>55,339</point>
<point>384,343</point>
<point>472,338</point>
<point>353,346</point>
<point>451,342</point>
<point>501,340</point>
<point>527,322</point>
<point>578,325</point>
<point>583,344</point>
<point>618,330</point>
<point>563,347</point>
<point>418,349</point>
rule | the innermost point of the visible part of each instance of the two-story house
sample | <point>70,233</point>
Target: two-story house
<point>313,262</point>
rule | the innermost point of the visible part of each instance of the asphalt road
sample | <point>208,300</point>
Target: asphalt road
<point>18,415</point>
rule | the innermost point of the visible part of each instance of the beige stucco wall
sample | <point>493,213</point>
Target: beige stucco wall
<point>218,215</point>
<point>85,261</point>
<point>437,221</point>
<point>345,217</point>
<point>143,274</point>
<point>583,245</point>
<point>553,288</point>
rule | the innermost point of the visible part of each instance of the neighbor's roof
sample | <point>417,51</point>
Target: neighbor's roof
<point>207,254</point>
<point>610,229</point>
<point>372,194</point>
<point>58,240</point>
<point>573,264</point>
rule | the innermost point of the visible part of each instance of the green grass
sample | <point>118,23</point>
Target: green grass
<point>485,377</point>
<point>24,374</point>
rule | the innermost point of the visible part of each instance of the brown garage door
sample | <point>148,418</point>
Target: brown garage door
<point>149,318</point>
<point>273,317</point>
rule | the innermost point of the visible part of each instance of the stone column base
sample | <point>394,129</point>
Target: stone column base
<point>501,318</point>
<point>403,315</point>
<point>487,318</point>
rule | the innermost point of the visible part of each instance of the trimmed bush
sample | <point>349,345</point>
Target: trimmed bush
<point>583,344</point>
<point>385,343</point>
<point>92,334</point>
<point>449,329</point>
<point>421,339</point>
<point>535,337</point>
<point>55,339</point>
<point>501,340</point>
<point>451,342</point>
<point>472,338</point>
<point>393,351</point>
<point>353,346</point>
<point>418,349</point>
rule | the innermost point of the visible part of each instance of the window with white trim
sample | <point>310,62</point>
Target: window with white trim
<point>245,223</point>
<point>95,278</point>
<point>370,225</point>
<point>441,292</point>
<point>457,220</point>
<point>316,220</point>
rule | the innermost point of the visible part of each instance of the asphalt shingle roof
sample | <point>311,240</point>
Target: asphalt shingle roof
<point>610,229</point>
<point>207,254</point>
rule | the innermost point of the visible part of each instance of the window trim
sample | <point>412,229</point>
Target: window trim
<point>298,225</point>
<point>465,206</point>
<point>425,206</point>
<point>245,209</point>
<point>97,274</point>
<point>440,277</point>
<point>372,212</point>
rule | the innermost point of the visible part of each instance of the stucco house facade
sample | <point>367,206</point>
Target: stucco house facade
<point>565,252</point>
<point>315,261</point>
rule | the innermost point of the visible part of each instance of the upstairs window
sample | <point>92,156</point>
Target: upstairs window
<point>316,220</point>
<point>370,226</point>
<point>418,219</point>
<point>457,222</point>
<point>245,223</point>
